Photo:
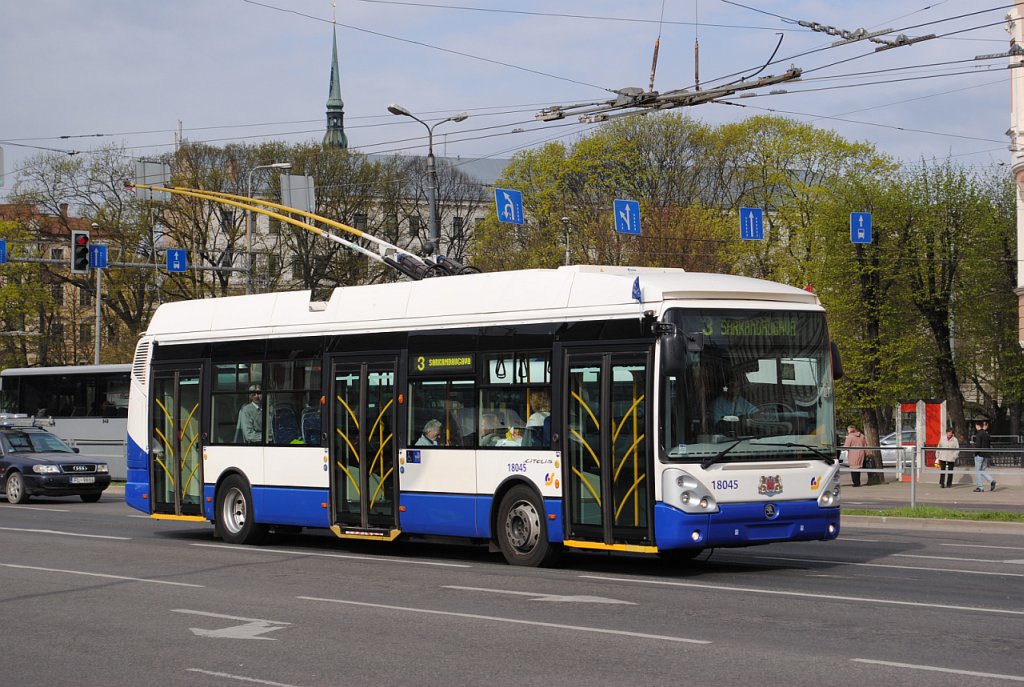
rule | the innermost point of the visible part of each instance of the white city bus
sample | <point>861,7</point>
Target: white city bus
<point>86,404</point>
<point>570,408</point>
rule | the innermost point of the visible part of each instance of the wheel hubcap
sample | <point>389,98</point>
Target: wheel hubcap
<point>523,526</point>
<point>13,488</point>
<point>234,510</point>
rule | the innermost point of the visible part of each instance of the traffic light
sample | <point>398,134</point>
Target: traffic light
<point>79,252</point>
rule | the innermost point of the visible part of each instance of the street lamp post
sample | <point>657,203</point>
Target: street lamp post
<point>249,219</point>
<point>565,225</point>
<point>435,232</point>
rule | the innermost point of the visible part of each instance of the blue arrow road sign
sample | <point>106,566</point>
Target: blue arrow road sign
<point>860,227</point>
<point>752,224</point>
<point>177,260</point>
<point>509,205</point>
<point>97,257</point>
<point>627,216</point>
<point>3,251</point>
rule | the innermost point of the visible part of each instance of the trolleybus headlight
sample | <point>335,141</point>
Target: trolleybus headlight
<point>45,469</point>
<point>685,497</point>
<point>704,502</point>
<point>687,493</point>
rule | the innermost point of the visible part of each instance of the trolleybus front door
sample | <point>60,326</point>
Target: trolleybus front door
<point>363,448</point>
<point>175,441</point>
<point>608,470</point>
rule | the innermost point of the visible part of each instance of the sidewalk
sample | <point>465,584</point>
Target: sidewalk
<point>1008,495</point>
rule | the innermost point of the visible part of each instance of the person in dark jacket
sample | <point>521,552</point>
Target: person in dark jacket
<point>982,441</point>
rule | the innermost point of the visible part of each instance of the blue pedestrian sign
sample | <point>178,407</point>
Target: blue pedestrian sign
<point>627,216</point>
<point>177,260</point>
<point>97,257</point>
<point>860,227</point>
<point>752,224</point>
<point>509,205</point>
<point>3,251</point>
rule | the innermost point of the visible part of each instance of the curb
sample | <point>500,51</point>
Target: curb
<point>882,522</point>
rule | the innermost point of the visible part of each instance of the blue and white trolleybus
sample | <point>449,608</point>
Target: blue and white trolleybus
<point>602,408</point>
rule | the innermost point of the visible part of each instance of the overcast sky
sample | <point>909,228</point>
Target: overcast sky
<point>133,71</point>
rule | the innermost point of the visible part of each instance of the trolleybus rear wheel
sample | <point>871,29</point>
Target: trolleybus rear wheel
<point>235,523</point>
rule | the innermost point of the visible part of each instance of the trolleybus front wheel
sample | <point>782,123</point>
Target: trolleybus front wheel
<point>235,523</point>
<point>522,530</point>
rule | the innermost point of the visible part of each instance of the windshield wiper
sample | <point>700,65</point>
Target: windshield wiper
<point>828,457</point>
<point>711,460</point>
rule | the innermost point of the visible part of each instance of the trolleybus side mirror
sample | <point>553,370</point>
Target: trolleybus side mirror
<point>674,348</point>
<point>837,362</point>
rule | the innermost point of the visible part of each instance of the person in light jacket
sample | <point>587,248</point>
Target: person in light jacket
<point>947,459</point>
<point>855,452</point>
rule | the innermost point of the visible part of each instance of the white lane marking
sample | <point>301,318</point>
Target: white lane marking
<point>251,628</point>
<point>377,559</point>
<point>883,565</point>
<point>805,595</point>
<point>92,574</point>
<point>937,669</point>
<point>514,621</point>
<point>868,541</point>
<point>538,596</point>
<point>64,534</point>
<point>946,558</point>
<point>984,546</point>
<point>48,510</point>
<point>240,678</point>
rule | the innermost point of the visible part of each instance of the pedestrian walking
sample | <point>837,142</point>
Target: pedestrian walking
<point>982,441</point>
<point>947,459</point>
<point>855,452</point>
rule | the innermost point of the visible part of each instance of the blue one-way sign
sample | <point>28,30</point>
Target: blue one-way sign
<point>752,224</point>
<point>627,216</point>
<point>97,257</point>
<point>860,227</point>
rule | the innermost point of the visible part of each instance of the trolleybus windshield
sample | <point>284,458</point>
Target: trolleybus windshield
<point>757,385</point>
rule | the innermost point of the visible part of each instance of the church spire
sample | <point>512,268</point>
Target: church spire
<point>335,136</point>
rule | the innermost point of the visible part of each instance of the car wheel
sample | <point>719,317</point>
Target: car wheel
<point>16,488</point>
<point>235,523</point>
<point>90,498</point>
<point>522,529</point>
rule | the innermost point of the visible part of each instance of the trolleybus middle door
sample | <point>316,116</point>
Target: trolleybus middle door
<point>363,448</point>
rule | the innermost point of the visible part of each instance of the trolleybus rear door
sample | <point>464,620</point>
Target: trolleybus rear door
<point>607,464</point>
<point>363,448</point>
<point>176,441</point>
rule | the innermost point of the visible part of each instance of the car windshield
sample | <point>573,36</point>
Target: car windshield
<point>760,382</point>
<point>33,442</point>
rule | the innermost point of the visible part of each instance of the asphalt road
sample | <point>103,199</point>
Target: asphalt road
<point>97,594</point>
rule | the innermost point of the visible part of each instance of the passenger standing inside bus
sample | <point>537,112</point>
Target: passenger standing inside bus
<point>855,452</point>
<point>431,433</point>
<point>250,417</point>
<point>945,460</point>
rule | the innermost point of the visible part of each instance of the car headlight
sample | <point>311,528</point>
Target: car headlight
<point>45,469</point>
<point>102,467</point>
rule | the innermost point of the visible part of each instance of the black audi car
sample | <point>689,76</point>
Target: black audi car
<point>35,462</point>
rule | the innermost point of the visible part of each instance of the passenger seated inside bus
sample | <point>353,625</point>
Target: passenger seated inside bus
<point>250,418</point>
<point>538,425</point>
<point>491,429</point>
<point>431,434</point>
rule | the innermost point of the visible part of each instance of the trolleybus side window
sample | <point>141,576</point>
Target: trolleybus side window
<point>231,382</point>
<point>448,401</point>
<point>515,401</point>
<point>292,398</point>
